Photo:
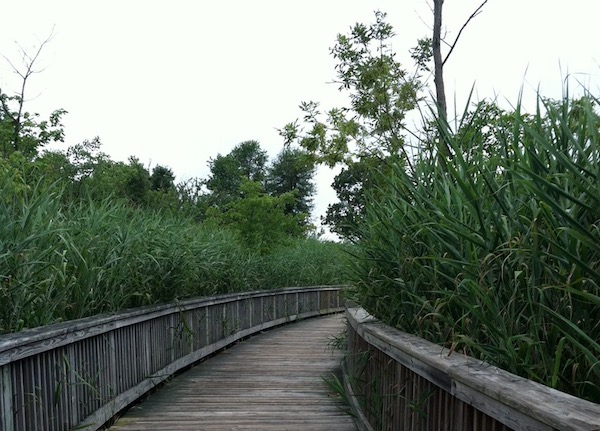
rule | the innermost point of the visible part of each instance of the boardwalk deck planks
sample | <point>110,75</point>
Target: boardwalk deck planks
<point>273,381</point>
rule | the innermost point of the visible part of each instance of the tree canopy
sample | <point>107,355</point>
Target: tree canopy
<point>264,203</point>
<point>365,135</point>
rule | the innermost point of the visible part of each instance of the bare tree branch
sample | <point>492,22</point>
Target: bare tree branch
<point>12,66</point>
<point>29,61</point>
<point>473,15</point>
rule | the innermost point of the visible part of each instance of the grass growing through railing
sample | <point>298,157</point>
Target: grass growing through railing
<point>496,251</point>
<point>63,261</point>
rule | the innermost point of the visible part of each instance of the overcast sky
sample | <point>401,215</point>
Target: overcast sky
<point>176,82</point>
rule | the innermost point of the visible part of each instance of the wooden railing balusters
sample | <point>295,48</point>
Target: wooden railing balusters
<point>79,374</point>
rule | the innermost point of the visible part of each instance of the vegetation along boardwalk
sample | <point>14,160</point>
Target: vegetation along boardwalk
<point>273,381</point>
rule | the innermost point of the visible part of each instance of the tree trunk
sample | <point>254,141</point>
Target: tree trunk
<point>437,59</point>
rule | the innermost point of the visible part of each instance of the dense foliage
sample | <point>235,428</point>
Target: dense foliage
<point>265,204</point>
<point>495,250</point>
<point>366,134</point>
<point>483,237</point>
<point>64,259</point>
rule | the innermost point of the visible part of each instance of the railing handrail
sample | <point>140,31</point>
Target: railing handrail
<point>515,401</point>
<point>107,322</point>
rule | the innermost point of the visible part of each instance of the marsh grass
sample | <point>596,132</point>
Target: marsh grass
<point>336,387</point>
<point>495,252</point>
<point>62,260</point>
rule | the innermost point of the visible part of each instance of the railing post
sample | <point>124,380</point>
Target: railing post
<point>7,399</point>
<point>113,363</point>
<point>250,303</point>
<point>173,326</point>
<point>319,305</point>
<point>238,318</point>
<point>71,386</point>
<point>262,309</point>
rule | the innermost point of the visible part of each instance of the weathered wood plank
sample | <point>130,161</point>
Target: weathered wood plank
<point>273,381</point>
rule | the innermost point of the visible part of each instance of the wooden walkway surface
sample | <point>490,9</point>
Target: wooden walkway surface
<point>273,381</point>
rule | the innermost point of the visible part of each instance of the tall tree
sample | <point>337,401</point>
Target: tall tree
<point>371,128</point>
<point>127,181</point>
<point>251,160</point>
<point>162,179</point>
<point>380,93</point>
<point>356,184</point>
<point>438,78</point>
<point>259,219</point>
<point>292,171</point>
<point>227,173</point>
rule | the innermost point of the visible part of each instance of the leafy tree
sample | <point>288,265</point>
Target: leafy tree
<point>25,132</point>
<point>130,182</point>
<point>53,167</point>
<point>292,172</point>
<point>356,184</point>
<point>85,157</point>
<point>260,220</point>
<point>137,184</point>
<point>162,179</point>
<point>193,198</point>
<point>371,128</point>
<point>247,161</point>
<point>251,160</point>
<point>163,195</point>
<point>380,93</point>
<point>225,177</point>
<point>71,167</point>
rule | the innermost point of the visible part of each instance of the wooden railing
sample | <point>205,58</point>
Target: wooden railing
<point>80,374</point>
<point>401,382</point>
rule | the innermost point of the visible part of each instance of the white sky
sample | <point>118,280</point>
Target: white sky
<point>176,82</point>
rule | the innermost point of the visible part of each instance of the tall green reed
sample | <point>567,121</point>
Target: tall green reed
<point>496,251</point>
<point>61,259</point>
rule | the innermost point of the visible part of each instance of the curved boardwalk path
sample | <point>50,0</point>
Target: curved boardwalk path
<point>273,381</point>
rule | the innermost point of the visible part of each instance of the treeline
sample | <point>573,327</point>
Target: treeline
<point>280,192</point>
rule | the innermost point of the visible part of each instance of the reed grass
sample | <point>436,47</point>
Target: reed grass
<point>62,260</point>
<point>495,251</point>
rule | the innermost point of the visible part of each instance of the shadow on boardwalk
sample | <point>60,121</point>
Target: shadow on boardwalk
<point>273,381</point>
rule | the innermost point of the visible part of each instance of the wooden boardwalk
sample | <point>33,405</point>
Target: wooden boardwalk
<point>273,381</point>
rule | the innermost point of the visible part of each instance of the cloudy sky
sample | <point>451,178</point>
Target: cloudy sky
<point>176,82</point>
